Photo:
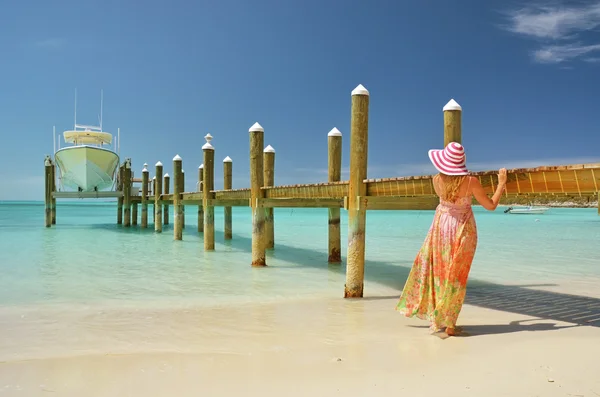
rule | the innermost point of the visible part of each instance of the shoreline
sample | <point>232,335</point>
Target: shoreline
<point>337,346</point>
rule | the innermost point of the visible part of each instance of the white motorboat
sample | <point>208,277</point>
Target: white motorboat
<point>90,164</point>
<point>526,210</point>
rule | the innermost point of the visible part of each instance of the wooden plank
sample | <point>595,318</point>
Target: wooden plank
<point>399,202</point>
<point>104,194</point>
<point>317,190</point>
<point>192,196</point>
<point>301,202</point>
<point>232,194</point>
<point>229,202</point>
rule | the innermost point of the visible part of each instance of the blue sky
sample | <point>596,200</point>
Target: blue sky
<point>525,73</point>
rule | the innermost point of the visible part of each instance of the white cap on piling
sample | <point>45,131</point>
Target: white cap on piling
<point>227,160</point>
<point>145,165</point>
<point>269,149</point>
<point>159,164</point>
<point>334,132</point>
<point>145,169</point>
<point>177,158</point>
<point>201,166</point>
<point>47,161</point>
<point>452,105</point>
<point>256,128</point>
<point>360,90</point>
<point>154,177</point>
<point>166,175</point>
<point>207,145</point>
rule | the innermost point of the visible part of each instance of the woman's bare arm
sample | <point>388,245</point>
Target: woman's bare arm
<point>482,198</point>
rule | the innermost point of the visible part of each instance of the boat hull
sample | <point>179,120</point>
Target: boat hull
<point>528,211</point>
<point>87,168</point>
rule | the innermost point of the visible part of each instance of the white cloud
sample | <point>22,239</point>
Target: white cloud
<point>561,53</point>
<point>558,26</point>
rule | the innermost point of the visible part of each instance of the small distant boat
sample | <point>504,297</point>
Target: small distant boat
<point>526,210</point>
<point>87,166</point>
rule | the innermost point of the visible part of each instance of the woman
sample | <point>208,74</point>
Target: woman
<point>436,286</point>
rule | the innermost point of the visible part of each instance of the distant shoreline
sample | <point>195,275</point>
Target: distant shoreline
<point>557,202</point>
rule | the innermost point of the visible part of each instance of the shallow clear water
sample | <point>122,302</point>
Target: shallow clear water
<point>86,258</point>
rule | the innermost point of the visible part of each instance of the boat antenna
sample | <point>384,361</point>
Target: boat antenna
<point>75,126</point>
<point>101,100</point>
<point>54,138</point>
<point>118,140</point>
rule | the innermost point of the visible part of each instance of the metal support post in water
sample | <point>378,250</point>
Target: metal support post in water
<point>157,191</point>
<point>227,185</point>
<point>334,172</point>
<point>256,182</point>
<point>207,195</point>
<point>177,207</point>
<point>269,180</point>
<point>357,215</point>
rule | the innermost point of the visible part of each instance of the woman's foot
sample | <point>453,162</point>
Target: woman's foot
<point>450,331</point>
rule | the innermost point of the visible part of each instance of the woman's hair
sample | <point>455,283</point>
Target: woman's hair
<point>450,186</point>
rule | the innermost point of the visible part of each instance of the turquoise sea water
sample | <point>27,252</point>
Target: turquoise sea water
<point>87,259</point>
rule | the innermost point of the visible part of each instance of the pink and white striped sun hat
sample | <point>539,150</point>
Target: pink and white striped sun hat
<point>451,160</point>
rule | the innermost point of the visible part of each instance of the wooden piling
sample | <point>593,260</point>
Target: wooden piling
<point>158,177</point>
<point>48,191</point>
<point>334,172</point>
<point>120,199</point>
<point>152,194</point>
<point>269,180</point>
<point>200,206</point>
<point>452,122</point>
<point>357,215</point>
<point>182,190</point>
<point>177,206</point>
<point>127,193</point>
<point>145,181</point>
<point>52,198</point>
<point>207,195</point>
<point>134,214</point>
<point>228,185</point>
<point>256,182</point>
<point>166,190</point>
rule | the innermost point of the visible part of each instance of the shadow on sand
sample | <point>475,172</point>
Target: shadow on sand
<point>520,299</point>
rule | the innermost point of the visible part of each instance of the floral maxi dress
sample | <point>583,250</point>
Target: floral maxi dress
<point>436,286</point>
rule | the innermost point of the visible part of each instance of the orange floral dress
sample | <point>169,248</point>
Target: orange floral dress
<point>437,284</point>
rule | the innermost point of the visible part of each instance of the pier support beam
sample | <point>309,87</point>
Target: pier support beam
<point>334,172</point>
<point>228,185</point>
<point>207,195</point>
<point>120,199</point>
<point>182,190</point>
<point>134,214</point>
<point>452,122</point>
<point>269,180</point>
<point>200,206</point>
<point>177,205</point>
<point>145,181</point>
<point>357,215</point>
<point>127,193</point>
<point>157,190</point>
<point>256,182</point>
<point>53,190</point>
<point>166,190</point>
<point>149,199</point>
<point>48,191</point>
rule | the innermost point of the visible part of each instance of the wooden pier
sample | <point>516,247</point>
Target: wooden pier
<point>357,195</point>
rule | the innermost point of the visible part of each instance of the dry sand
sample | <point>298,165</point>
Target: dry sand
<point>325,348</point>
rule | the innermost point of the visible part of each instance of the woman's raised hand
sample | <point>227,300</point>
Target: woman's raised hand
<point>502,176</point>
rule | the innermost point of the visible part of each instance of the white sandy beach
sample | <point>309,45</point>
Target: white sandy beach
<point>334,347</point>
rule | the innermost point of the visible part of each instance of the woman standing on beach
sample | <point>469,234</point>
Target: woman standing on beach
<point>437,283</point>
